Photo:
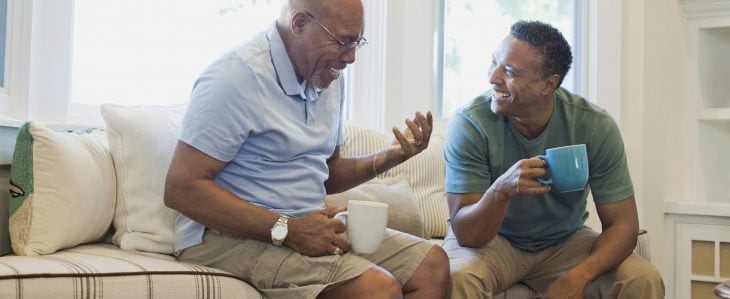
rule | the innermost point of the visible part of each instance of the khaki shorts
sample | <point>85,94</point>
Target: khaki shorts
<point>280,272</point>
<point>491,269</point>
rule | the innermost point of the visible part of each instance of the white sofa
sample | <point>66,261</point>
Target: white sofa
<point>87,218</point>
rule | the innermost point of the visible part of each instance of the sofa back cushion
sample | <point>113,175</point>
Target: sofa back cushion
<point>425,171</point>
<point>62,189</point>
<point>142,140</point>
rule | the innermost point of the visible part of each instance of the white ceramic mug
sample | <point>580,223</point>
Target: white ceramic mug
<point>366,222</point>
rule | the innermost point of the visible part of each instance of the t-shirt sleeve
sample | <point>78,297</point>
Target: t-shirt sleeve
<point>609,173</point>
<point>220,114</point>
<point>467,167</point>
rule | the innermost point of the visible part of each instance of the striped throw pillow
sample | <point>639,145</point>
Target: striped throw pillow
<point>425,171</point>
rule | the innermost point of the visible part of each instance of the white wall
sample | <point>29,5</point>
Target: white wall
<point>654,109</point>
<point>411,82</point>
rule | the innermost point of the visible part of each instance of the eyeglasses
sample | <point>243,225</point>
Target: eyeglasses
<point>344,46</point>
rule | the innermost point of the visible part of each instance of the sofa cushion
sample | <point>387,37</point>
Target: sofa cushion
<point>404,213</point>
<point>142,140</point>
<point>425,171</point>
<point>62,189</point>
<point>105,271</point>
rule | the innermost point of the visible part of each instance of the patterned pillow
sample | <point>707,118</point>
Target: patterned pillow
<point>425,172</point>
<point>62,189</point>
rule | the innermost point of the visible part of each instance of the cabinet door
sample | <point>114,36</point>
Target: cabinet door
<point>702,259</point>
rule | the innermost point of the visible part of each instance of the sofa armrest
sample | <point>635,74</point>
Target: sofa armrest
<point>642,245</point>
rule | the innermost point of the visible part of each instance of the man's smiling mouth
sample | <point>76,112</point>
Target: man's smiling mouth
<point>500,95</point>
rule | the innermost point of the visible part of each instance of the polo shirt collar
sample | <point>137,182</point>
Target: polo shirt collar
<point>285,69</point>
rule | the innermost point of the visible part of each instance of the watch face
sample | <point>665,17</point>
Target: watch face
<point>279,232</point>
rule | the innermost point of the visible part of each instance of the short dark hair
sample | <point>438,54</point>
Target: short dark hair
<point>549,42</point>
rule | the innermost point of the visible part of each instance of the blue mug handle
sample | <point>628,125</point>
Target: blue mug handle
<point>546,180</point>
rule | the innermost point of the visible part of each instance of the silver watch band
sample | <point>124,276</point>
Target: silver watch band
<point>281,223</point>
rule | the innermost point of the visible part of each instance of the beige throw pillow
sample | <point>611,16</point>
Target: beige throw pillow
<point>62,189</point>
<point>403,211</point>
<point>142,140</point>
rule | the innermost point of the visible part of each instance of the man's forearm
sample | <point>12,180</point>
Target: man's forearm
<point>346,173</point>
<point>211,205</point>
<point>612,246</point>
<point>477,224</point>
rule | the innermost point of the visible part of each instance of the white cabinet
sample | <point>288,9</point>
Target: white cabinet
<point>698,241</point>
<point>698,228</point>
<point>708,41</point>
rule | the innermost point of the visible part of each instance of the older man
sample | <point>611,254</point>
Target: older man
<point>259,150</point>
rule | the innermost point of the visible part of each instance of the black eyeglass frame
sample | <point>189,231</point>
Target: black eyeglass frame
<point>344,46</point>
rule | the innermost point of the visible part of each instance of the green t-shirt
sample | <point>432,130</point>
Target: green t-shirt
<point>481,146</point>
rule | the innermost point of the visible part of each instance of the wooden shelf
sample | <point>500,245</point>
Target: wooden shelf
<point>714,114</point>
<point>715,209</point>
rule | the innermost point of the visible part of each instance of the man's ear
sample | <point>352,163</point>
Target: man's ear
<point>551,83</point>
<point>298,21</point>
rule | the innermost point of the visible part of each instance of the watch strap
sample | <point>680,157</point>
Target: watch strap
<point>283,221</point>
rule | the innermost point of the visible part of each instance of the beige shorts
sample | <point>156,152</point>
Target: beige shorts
<point>280,272</point>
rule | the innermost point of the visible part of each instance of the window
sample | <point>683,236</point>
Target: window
<point>135,52</point>
<point>3,26</point>
<point>472,30</point>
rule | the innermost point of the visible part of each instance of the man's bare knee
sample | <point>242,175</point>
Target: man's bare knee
<point>431,278</point>
<point>373,283</point>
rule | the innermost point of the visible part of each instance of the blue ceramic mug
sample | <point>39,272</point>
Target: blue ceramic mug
<point>567,167</point>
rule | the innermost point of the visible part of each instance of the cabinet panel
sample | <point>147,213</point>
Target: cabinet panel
<point>703,258</point>
<point>703,290</point>
<point>712,148</point>
<point>699,252</point>
<point>713,46</point>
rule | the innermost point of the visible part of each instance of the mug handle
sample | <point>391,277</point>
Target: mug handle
<point>545,180</point>
<point>342,216</point>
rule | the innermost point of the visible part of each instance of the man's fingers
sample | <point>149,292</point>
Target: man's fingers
<point>538,190</point>
<point>332,211</point>
<point>340,226</point>
<point>342,244</point>
<point>424,121</point>
<point>401,139</point>
<point>535,162</point>
<point>415,131</point>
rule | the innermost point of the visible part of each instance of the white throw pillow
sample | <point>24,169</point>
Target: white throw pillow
<point>142,140</point>
<point>425,171</point>
<point>404,213</point>
<point>62,189</point>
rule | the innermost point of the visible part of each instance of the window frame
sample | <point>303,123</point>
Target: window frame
<point>17,63</point>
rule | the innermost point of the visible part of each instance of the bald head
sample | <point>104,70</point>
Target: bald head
<point>321,8</point>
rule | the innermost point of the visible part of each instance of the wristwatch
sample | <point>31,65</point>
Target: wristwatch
<point>279,230</point>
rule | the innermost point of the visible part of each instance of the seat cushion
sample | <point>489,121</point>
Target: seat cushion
<point>105,271</point>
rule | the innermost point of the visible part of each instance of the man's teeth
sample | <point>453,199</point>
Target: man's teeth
<point>498,94</point>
